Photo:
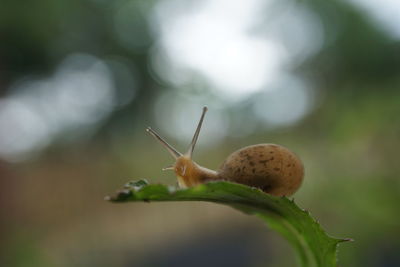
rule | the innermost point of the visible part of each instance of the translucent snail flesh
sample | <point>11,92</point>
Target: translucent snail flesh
<point>269,167</point>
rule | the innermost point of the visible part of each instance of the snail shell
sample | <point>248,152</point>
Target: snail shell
<point>272,168</point>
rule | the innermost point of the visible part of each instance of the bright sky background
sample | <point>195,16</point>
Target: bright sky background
<point>221,41</point>
<point>385,12</point>
<point>244,50</point>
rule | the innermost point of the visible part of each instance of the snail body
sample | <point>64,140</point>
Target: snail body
<point>272,168</point>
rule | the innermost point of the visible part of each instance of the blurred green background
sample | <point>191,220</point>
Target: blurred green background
<point>80,81</point>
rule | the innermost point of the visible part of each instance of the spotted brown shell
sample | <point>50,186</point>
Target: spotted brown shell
<point>272,168</point>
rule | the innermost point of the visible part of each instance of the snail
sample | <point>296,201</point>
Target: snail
<point>272,168</point>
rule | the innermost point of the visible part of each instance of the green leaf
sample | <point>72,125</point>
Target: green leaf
<point>313,246</point>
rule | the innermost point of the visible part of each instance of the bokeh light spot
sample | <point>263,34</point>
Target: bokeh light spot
<point>284,103</point>
<point>69,104</point>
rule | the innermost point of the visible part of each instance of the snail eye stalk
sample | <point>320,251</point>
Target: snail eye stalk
<point>175,153</point>
<point>189,153</point>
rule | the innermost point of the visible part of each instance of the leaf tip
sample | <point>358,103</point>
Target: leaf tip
<point>120,195</point>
